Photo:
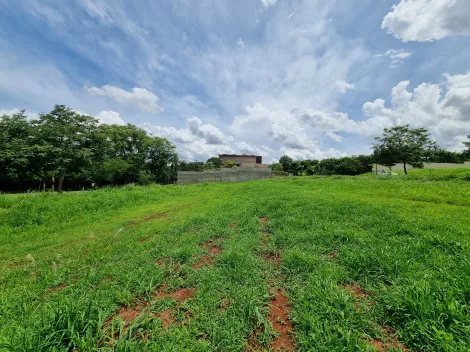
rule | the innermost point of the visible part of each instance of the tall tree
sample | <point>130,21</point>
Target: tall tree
<point>215,161</point>
<point>64,137</point>
<point>407,145</point>
<point>162,159</point>
<point>467,144</point>
<point>15,151</point>
<point>286,162</point>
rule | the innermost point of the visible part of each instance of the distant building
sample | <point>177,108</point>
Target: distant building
<point>243,160</point>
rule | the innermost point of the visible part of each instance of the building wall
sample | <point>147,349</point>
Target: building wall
<point>399,167</point>
<point>239,159</point>
<point>223,175</point>
<point>253,165</point>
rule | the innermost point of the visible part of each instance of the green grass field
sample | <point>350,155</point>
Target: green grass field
<point>319,263</point>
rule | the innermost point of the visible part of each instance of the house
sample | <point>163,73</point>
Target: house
<point>243,160</point>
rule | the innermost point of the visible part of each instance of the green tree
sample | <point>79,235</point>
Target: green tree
<point>286,162</point>
<point>15,148</point>
<point>127,143</point>
<point>407,145</point>
<point>215,161</point>
<point>277,167</point>
<point>161,159</point>
<point>384,157</point>
<point>64,137</point>
<point>467,144</point>
<point>209,165</point>
<point>230,164</point>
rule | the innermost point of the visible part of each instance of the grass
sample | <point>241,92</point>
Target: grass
<point>366,262</point>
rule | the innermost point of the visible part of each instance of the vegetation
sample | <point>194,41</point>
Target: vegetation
<point>402,144</point>
<point>71,149</point>
<point>364,262</point>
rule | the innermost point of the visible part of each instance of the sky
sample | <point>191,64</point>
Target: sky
<point>310,79</point>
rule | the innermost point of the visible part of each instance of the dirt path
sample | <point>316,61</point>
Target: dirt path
<point>279,305</point>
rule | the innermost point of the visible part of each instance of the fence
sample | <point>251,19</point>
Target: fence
<point>223,175</point>
<point>426,166</point>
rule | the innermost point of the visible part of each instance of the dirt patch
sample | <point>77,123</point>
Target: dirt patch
<point>154,216</point>
<point>279,318</point>
<point>253,343</point>
<point>204,261</point>
<point>233,225</point>
<point>183,294</point>
<point>213,250</point>
<point>332,256</point>
<point>165,317</point>
<point>274,258</point>
<point>225,303</point>
<point>391,341</point>
<point>145,239</point>
<point>355,290</point>
<point>167,262</point>
<point>264,222</point>
<point>129,314</point>
<point>57,288</point>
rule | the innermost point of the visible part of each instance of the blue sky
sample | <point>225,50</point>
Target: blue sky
<point>311,79</point>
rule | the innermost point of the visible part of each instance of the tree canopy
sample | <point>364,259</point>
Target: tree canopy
<point>75,150</point>
<point>405,145</point>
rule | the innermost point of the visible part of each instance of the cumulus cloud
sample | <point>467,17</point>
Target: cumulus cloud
<point>206,131</point>
<point>110,118</point>
<point>267,3</point>
<point>428,20</point>
<point>396,57</point>
<point>342,86</point>
<point>334,136</point>
<point>445,114</point>
<point>144,99</point>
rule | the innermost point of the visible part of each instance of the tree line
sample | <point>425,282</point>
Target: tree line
<point>67,150</point>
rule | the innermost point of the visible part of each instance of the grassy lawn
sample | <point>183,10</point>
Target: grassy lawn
<point>320,263</point>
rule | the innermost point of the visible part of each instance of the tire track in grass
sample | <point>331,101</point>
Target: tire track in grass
<point>128,314</point>
<point>279,305</point>
<point>390,342</point>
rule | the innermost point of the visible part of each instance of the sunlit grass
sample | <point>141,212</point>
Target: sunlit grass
<point>70,261</point>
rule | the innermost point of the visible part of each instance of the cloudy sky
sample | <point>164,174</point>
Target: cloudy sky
<point>306,78</point>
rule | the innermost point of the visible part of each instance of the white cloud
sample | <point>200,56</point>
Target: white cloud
<point>267,3</point>
<point>206,131</point>
<point>334,136</point>
<point>342,86</point>
<point>446,116</point>
<point>281,126</point>
<point>29,115</point>
<point>428,20</point>
<point>110,118</point>
<point>396,56</point>
<point>144,99</point>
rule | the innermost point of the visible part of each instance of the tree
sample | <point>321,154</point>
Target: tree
<point>15,150</point>
<point>348,166</point>
<point>467,144</point>
<point>161,160</point>
<point>384,157</point>
<point>209,165</point>
<point>277,167</point>
<point>64,135</point>
<point>215,161</point>
<point>286,162</point>
<point>230,164</point>
<point>407,145</point>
